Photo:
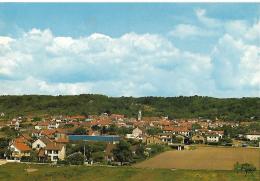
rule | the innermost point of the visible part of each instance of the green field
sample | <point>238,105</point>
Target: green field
<point>20,172</point>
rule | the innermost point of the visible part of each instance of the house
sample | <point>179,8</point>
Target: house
<point>253,136</point>
<point>152,140</point>
<point>41,125</point>
<point>53,125</point>
<point>55,151</point>
<point>19,150</point>
<point>15,124</point>
<point>40,143</point>
<point>117,116</point>
<point>219,133</point>
<point>213,138</point>
<point>198,139</point>
<point>60,134</point>
<point>136,134</point>
<point>166,137</point>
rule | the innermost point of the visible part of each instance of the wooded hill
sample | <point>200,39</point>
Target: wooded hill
<point>174,107</point>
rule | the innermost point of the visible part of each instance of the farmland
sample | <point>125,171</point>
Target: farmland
<point>210,158</point>
<point>23,172</point>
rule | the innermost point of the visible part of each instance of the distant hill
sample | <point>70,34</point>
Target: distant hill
<point>174,107</point>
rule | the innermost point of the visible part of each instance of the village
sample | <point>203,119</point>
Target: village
<point>93,139</point>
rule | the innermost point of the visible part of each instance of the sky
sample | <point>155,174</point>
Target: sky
<point>130,49</point>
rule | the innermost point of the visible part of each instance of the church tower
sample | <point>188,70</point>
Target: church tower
<point>139,115</point>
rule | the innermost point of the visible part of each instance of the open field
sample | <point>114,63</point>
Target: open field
<point>212,158</point>
<point>23,172</point>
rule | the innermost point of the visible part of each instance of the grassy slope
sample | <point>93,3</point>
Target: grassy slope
<point>17,172</point>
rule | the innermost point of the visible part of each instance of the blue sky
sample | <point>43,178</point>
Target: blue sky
<point>130,49</point>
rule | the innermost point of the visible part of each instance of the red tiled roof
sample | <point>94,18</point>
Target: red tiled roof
<point>43,123</point>
<point>21,146</point>
<point>176,129</point>
<point>48,132</point>
<point>62,140</point>
<point>54,146</point>
<point>77,117</point>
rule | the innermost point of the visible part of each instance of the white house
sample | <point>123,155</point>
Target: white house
<point>55,151</point>
<point>19,150</point>
<point>53,125</point>
<point>136,134</point>
<point>40,143</point>
<point>213,138</point>
<point>2,114</point>
<point>252,136</point>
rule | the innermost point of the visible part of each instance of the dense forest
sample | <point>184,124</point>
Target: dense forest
<point>174,107</point>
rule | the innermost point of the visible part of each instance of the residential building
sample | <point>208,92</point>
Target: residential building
<point>55,151</point>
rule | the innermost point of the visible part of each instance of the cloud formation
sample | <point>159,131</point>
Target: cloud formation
<point>38,62</point>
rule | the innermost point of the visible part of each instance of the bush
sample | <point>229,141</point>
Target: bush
<point>244,167</point>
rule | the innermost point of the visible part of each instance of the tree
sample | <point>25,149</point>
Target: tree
<point>247,168</point>
<point>4,143</point>
<point>140,151</point>
<point>36,119</point>
<point>122,152</point>
<point>153,131</point>
<point>196,126</point>
<point>76,159</point>
<point>80,131</point>
<point>98,156</point>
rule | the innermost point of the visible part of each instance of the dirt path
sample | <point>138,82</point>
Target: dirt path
<point>2,162</point>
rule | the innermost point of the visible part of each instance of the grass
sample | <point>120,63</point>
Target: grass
<point>213,158</point>
<point>17,172</point>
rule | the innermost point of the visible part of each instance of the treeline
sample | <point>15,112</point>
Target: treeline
<point>174,107</point>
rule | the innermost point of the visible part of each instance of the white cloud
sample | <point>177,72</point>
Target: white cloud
<point>209,22</point>
<point>236,65</point>
<point>134,64</point>
<point>187,30</point>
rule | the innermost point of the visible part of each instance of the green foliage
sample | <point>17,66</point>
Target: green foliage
<point>37,119</point>
<point>196,126</point>
<point>177,139</point>
<point>80,131</point>
<point>87,148</point>
<point>75,159</point>
<point>237,167</point>
<point>4,143</point>
<point>174,107</point>
<point>68,126</point>
<point>156,148</point>
<point>9,132</point>
<point>153,131</point>
<point>140,151</point>
<point>244,167</point>
<point>98,156</point>
<point>122,153</point>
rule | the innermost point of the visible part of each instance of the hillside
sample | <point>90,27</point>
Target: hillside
<point>174,107</point>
